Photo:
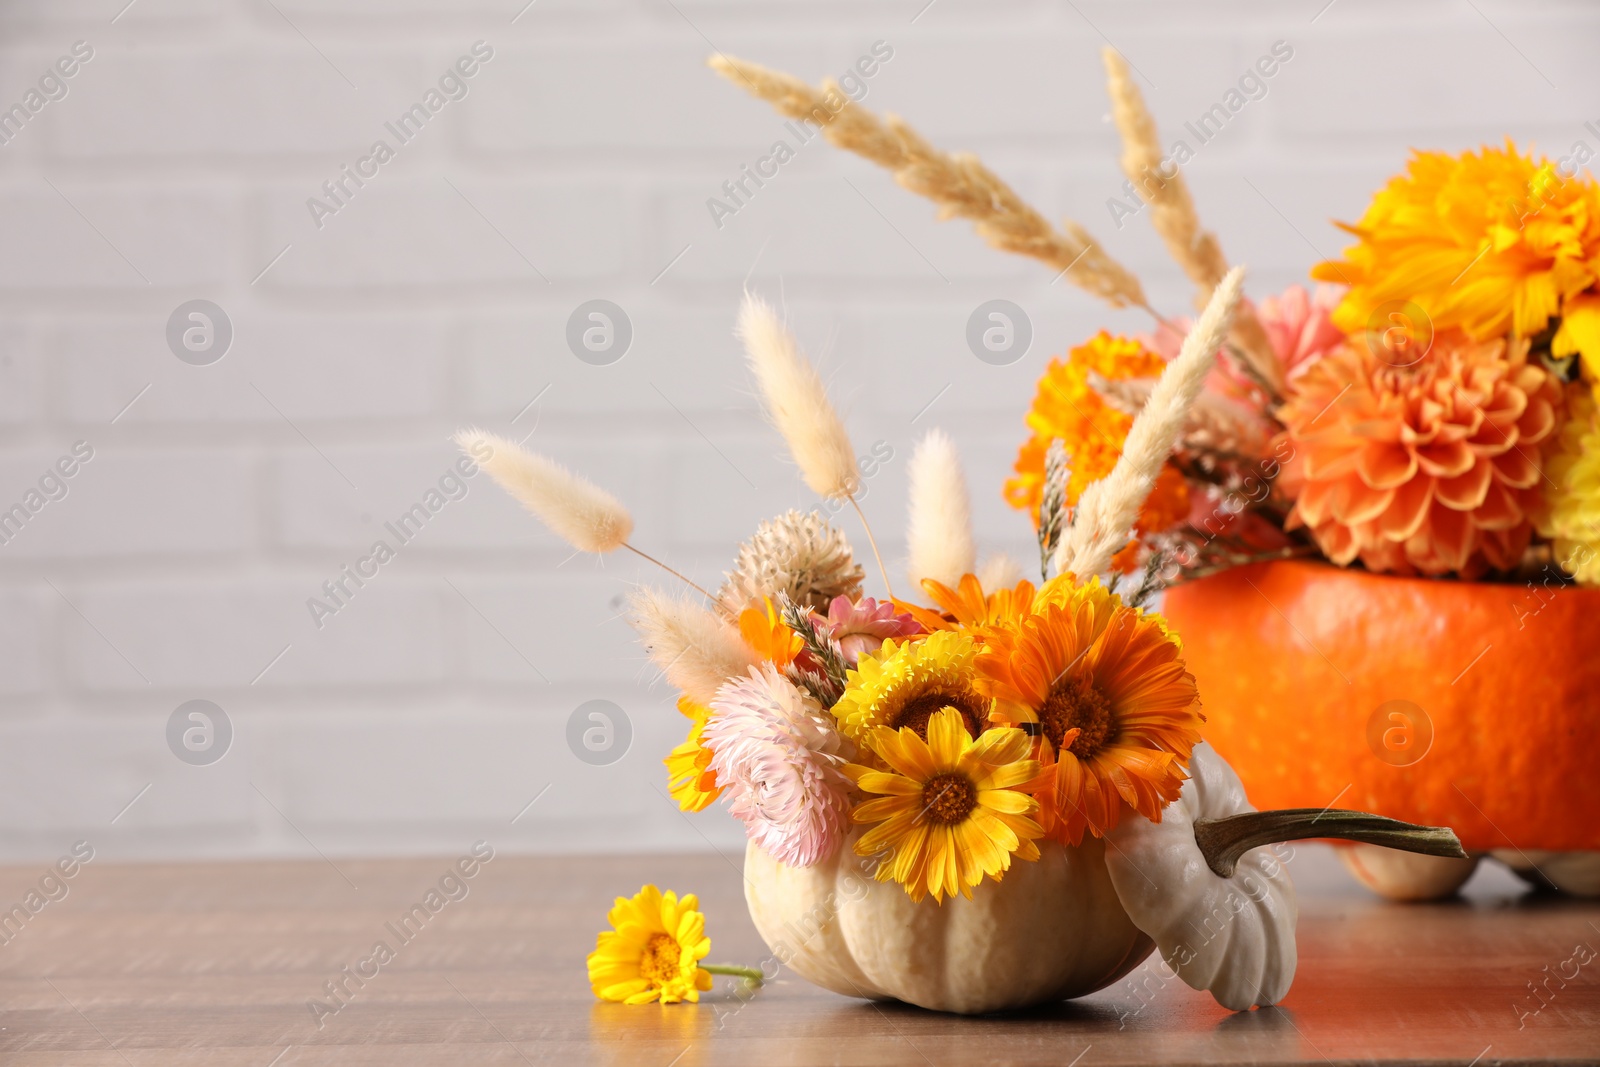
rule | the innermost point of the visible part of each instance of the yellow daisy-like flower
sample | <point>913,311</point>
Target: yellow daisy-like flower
<point>1493,242</point>
<point>1572,489</point>
<point>653,950</point>
<point>950,811</point>
<point>903,685</point>
<point>690,779</point>
<point>967,606</point>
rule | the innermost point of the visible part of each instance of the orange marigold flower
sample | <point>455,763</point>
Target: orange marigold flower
<point>1491,242</point>
<point>766,632</point>
<point>1116,711</point>
<point>1420,465</point>
<point>1067,408</point>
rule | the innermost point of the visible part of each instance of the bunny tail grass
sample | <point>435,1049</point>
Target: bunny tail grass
<point>695,648</point>
<point>579,512</point>
<point>1108,509</point>
<point>939,537</point>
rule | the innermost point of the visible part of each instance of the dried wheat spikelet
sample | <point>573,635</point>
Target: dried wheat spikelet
<point>1108,509</point>
<point>1214,423</point>
<point>960,185</point>
<point>797,554</point>
<point>1173,216</point>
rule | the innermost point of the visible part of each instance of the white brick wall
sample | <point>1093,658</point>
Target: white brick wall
<point>432,708</point>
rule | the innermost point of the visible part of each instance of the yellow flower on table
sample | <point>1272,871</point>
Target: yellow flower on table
<point>653,950</point>
<point>950,811</point>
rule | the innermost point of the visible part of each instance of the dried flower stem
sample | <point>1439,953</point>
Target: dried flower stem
<point>1173,216</point>
<point>1053,503</point>
<point>959,184</point>
<point>873,541</point>
<point>676,574</point>
<point>1108,509</point>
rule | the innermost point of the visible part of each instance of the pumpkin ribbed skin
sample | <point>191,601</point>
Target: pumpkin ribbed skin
<point>1294,658</point>
<point>1049,930</point>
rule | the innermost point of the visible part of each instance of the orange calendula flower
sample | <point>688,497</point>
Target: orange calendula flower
<point>1420,463</point>
<point>1116,711</point>
<point>967,607</point>
<point>1067,408</point>
<point>1492,242</point>
<point>765,632</point>
<point>690,779</point>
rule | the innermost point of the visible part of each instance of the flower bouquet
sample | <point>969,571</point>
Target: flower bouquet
<point>1430,415</point>
<point>994,793</point>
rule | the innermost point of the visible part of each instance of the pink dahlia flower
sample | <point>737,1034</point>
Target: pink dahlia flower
<point>779,758</point>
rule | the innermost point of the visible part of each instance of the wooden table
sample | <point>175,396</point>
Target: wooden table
<point>215,963</point>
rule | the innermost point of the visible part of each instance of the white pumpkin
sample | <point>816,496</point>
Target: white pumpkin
<point>1577,873</point>
<point>1049,930</point>
<point>1233,934</point>
<point>1397,875</point>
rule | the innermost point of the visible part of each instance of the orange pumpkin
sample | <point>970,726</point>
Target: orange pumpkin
<point>1463,704</point>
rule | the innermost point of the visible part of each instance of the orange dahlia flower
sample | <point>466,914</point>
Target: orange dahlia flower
<point>1492,242</point>
<point>1426,465</point>
<point>1067,408</point>
<point>1116,711</point>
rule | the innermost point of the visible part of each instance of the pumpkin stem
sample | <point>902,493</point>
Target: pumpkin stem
<point>749,974</point>
<point>1223,841</point>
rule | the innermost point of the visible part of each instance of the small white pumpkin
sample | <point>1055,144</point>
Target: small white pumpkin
<point>1406,876</point>
<point>1577,873</point>
<point>1231,935</point>
<point>1049,930</point>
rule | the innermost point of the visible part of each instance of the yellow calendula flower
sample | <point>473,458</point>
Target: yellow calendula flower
<point>1493,242</point>
<point>949,810</point>
<point>653,950</point>
<point>904,684</point>
<point>1572,489</point>
<point>690,779</point>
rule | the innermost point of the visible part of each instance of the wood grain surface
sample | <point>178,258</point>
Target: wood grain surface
<point>216,963</point>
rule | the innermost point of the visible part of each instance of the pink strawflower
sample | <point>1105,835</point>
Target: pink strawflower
<point>778,757</point>
<point>1299,328</point>
<point>863,626</point>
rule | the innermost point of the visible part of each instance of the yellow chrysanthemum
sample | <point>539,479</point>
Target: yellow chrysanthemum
<point>950,812</point>
<point>904,684</point>
<point>690,779</point>
<point>1067,408</point>
<point>653,950</point>
<point>1493,242</point>
<point>1572,489</point>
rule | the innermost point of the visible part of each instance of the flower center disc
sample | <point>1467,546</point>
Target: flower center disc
<point>949,798</point>
<point>660,960</point>
<point>916,712</point>
<point>1075,703</point>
